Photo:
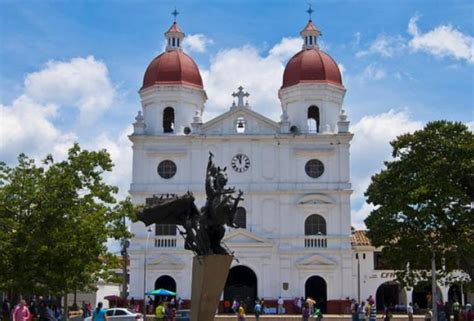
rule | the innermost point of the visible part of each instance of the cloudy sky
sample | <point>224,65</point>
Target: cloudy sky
<point>70,70</point>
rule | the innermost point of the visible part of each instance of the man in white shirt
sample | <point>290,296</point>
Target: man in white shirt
<point>280,305</point>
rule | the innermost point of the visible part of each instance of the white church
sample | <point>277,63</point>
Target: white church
<point>295,237</point>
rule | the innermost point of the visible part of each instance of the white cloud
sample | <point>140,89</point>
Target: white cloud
<point>120,150</point>
<point>286,48</point>
<point>385,46</point>
<point>260,75</point>
<point>373,72</point>
<point>357,38</point>
<point>26,126</point>
<point>196,43</point>
<point>358,217</point>
<point>370,148</point>
<point>442,41</point>
<point>82,83</point>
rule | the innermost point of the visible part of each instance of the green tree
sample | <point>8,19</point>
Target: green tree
<point>55,220</point>
<point>423,211</point>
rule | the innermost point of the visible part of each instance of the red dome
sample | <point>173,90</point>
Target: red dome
<point>170,68</point>
<point>311,66</point>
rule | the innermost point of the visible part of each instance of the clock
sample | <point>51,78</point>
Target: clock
<point>240,163</point>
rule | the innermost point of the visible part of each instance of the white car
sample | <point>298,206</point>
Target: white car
<point>120,314</point>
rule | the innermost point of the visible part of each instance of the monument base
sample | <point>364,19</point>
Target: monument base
<point>209,276</point>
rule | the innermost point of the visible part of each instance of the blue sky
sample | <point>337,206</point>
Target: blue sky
<point>70,70</point>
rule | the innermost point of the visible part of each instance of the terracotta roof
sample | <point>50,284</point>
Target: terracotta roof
<point>172,67</point>
<point>174,28</point>
<point>310,26</point>
<point>311,66</point>
<point>360,238</point>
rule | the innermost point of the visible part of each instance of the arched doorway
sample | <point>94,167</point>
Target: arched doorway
<point>316,288</point>
<point>389,294</point>
<point>164,282</point>
<point>454,294</point>
<point>241,284</point>
<point>421,296</point>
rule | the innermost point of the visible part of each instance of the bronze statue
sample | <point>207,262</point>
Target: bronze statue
<point>204,229</point>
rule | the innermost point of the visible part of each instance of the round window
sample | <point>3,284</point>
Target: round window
<point>167,169</point>
<point>314,168</point>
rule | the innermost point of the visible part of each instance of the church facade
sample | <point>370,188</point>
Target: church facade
<point>295,235</point>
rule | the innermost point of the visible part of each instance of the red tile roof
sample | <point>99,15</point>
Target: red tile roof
<point>360,238</point>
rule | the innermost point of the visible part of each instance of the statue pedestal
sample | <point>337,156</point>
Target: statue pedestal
<point>209,276</point>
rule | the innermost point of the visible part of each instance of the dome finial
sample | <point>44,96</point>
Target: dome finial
<point>175,13</point>
<point>310,33</point>
<point>174,35</point>
<point>310,11</point>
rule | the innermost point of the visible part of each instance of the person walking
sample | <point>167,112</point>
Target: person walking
<point>99,313</point>
<point>410,311</point>
<point>160,312</point>
<point>456,310</point>
<point>361,311</point>
<point>241,312</point>
<point>257,310</point>
<point>373,312</point>
<point>306,312</point>
<point>21,312</point>
<point>280,305</point>
<point>354,312</point>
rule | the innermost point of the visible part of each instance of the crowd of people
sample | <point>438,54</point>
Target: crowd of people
<point>307,308</point>
<point>367,310</point>
<point>34,308</point>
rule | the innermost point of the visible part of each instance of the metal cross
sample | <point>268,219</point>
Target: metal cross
<point>175,13</point>
<point>240,95</point>
<point>310,10</point>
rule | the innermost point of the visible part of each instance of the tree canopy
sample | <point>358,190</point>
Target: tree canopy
<point>55,220</point>
<point>423,202</point>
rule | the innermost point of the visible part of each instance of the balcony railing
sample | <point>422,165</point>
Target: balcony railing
<point>165,242</point>
<point>315,242</point>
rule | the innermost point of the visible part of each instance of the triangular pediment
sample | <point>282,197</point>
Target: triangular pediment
<point>315,261</point>
<point>245,237</point>
<point>165,261</point>
<point>226,123</point>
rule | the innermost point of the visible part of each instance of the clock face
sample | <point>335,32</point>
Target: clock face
<point>240,163</point>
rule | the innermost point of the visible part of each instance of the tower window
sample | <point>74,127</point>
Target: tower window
<point>174,42</point>
<point>240,218</point>
<point>165,229</point>
<point>313,119</point>
<point>168,120</point>
<point>315,225</point>
<point>240,125</point>
<point>310,40</point>
<point>314,168</point>
<point>167,169</point>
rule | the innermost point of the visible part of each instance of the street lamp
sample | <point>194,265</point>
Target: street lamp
<point>144,275</point>
<point>358,278</point>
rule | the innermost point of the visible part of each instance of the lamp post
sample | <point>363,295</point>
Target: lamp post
<point>144,275</point>
<point>358,278</point>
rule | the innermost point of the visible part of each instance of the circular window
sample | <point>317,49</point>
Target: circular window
<point>314,168</point>
<point>167,169</point>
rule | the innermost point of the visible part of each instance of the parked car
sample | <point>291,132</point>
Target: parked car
<point>120,314</point>
<point>183,315</point>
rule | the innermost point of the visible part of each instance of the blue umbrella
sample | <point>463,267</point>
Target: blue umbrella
<point>162,292</point>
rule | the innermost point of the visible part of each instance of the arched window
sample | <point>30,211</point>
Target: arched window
<point>168,120</point>
<point>313,119</point>
<point>315,225</point>
<point>240,218</point>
